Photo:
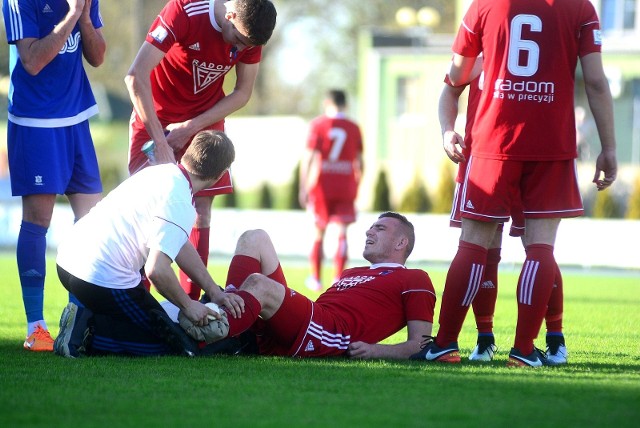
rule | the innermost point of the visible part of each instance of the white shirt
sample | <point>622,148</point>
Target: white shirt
<point>153,209</point>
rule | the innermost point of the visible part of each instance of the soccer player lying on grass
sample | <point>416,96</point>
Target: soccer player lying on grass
<point>365,306</point>
<point>144,222</point>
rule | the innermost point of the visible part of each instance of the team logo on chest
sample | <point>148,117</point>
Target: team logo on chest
<point>204,74</point>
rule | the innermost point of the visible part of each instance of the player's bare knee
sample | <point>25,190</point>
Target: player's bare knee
<point>250,242</point>
<point>264,289</point>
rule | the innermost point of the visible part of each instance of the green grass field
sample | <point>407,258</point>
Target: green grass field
<point>600,386</point>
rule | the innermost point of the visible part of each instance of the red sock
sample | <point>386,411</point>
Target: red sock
<point>316,259</point>
<point>252,309</point>
<point>555,307</point>
<point>533,292</point>
<point>240,268</point>
<point>340,259</point>
<point>463,280</point>
<point>200,240</point>
<point>484,305</point>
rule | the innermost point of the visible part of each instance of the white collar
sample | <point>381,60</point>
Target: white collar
<point>387,265</point>
<point>212,17</point>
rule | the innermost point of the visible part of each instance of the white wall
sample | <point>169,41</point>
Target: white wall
<point>581,242</point>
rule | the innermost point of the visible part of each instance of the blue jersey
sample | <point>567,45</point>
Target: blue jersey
<point>60,95</point>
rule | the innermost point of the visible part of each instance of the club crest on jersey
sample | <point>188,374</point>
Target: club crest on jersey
<point>204,74</point>
<point>159,34</point>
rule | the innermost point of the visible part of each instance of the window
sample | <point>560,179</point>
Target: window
<point>618,16</point>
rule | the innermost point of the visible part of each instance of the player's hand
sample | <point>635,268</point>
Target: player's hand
<point>164,153</point>
<point>232,302</point>
<point>76,5</point>
<point>198,313</point>
<point>179,135</point>
<point>361,350</point>
<point>451,140</point>
<point>607,166</point>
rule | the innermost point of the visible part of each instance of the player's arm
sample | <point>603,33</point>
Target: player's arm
<point>462,69</point>
<point>94,44</point>
<point>415,332</point>
<point>601,104</point>
<point>447,114</point>
<point>246,75</point>
<point>161,274</point>
<point>190,262</point>
<point>35,54</point>
<point>138,81</point>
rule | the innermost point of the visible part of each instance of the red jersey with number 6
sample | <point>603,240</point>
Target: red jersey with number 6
<point>531,49</point>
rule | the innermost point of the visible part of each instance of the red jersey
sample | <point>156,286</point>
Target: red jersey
<point>372,303</point>
<point>188,80</point>
<point>530,49</point>
<point>339,141</point>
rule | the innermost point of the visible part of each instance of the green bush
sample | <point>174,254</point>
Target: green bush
<point>633,207</point>
<point>605,205</point>
<point>444,193</point>
<point>382,196</point>
<point>416,199</point>
<point>266,196</point>
<point>230,200</point>
<point>293,202</point>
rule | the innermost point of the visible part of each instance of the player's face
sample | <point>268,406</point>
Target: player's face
<point>235,34</point>
<point>382,238</point>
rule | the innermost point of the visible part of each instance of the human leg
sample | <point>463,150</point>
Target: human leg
<point>199,237</point>
<point>125,321</point>
<point>340,258</point>
<point>535,283</point>
<point>314,282</point>
<point>31,260</point>
<point>556,347</point>
<point>484,304</point>
<point>463,281</point>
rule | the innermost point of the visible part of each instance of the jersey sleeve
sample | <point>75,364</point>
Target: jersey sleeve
<point>170,229</point>
<point>96,17</point>
<point>21,20</point>
<point>168,27</point>
<point>590,39</point>
<point>419,297</point>
<point>468,41</point>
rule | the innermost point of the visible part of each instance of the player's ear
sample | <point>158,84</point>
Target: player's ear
<point>402,243</point>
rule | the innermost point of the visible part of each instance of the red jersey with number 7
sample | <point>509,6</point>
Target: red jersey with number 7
<point>339,141</point>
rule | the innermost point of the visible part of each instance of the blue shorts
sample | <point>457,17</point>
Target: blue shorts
<point>52,160</point>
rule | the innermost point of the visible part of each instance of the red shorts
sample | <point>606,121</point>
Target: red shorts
<point>328,210</point>
<point>546,189</point>
<point>138,135</point>
<point>517,217</point>
<point>300,328</point>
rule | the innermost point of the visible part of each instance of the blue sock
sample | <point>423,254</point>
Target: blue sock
<point>32,268</point>
<point>557,333</point>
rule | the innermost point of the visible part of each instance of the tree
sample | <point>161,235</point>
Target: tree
<point>416,199</point>
<point>633,208</point>
<point>294,190</point>
<point>381,198</point>
<point>446,188</point>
